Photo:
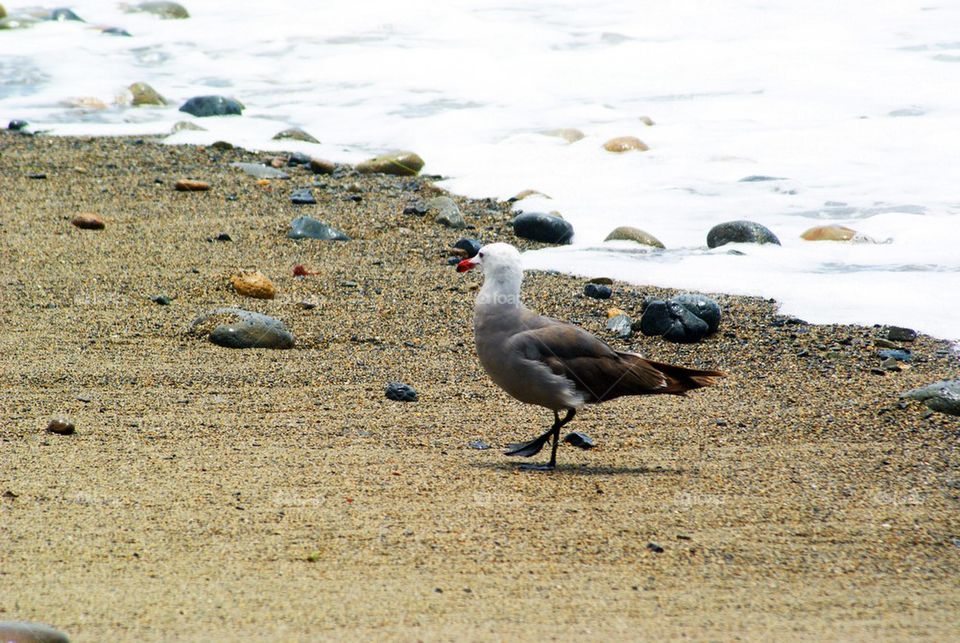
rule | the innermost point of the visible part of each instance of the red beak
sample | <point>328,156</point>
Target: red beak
<point>465,265</point>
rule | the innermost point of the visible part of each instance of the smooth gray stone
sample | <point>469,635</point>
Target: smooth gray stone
<point>250,330</point>
<point>24,632</point>
<point>538,226</point>
<point>943,396</point>
<point>740,232</point>
<point>202,106</point>
<point>620,325</point>
<point>703,307</point>
<point>446,212</point>
<point>310,228</point>
<point>261,171</point>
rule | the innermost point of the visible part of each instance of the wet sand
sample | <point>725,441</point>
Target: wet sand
<point>211,493</point>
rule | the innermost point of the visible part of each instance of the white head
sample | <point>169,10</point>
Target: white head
<point>502,272</point>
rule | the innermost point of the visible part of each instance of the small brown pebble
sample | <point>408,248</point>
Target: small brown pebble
<point>322,166</point>
<point>253,284</point>
<point>88,221</point>
<point>189,185</point>
<point>625,144</point>
<point>61,426</point>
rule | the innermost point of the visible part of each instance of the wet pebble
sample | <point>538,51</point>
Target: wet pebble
<point>144,94</point>
<point>625,144</point>
<point>569,134</point>
<point>203,106</point>
<point>702,306</point>
<point>579,440</point>
<point>88,221</point>
<point>899,334</point>
<point>61,426</point>
<point>673,321</point>
<point>163,9</point>
<point>303,196</point>
<point>26,632</point>
<point>310,228</point>
<point>539,226</point>
<point>396,163</point>
<point>740,232</point>
<point>321,166</point>
<point>829,233</point>
<point>400,392</point>
<point>294,134</point>
<point>261,171</point>
<point>248,330</point>
<point>597,291</point>
<point>628,233</point>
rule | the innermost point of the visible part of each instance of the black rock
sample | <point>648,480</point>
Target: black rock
<point>548,228</point>
<point>401,392</point>
<point>739,232</point>
<point>418,209</point>
<point>202,106</point>
<point>63,14</point>
<point>468,245</point>
<point>223,236</point>
<point>161,300</point>
<point>580,440</point>
<point>597,291</point>
<point>674,321</point>
<point>298,158</point>
<point>303,196</point>
<point>17,125</point>
<point>655,548</point>
<point>899,334</point>
<point>480,445</point>
<point>310,228</point>
<point>703,307</point>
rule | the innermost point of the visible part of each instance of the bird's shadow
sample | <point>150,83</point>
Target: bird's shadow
<point>582,469</point>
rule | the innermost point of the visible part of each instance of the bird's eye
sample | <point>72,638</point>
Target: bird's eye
<point>480,254</point>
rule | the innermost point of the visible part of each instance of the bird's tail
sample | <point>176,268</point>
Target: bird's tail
<point>681,379</point>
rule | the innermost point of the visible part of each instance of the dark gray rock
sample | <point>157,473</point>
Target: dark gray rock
<point>655,548</point>
<point>161,300</point>
<point>202,106</point>
<point>703,307</point>
<point>17,125</point>
<point>400,392</point>
<point>303,196</point>
<point>468,245</point>
<point>62,14</point>
<point>310,228</point>
<point>294,134</point>
<point>547,228</point>
<point>24,632</point>
<point>897,354</point>
<point>223,237</point>
<point>297,159</point>
<point>739,232</point>
<point>673,321</point>
<point>419,208</point>
<point>597,291</point>
<point>446,212</point>
<point>579,440</point>
<point>116,31</point>
<point>261,171</point>
<point>943,396</point>
<point>620,325</point>
<point>899,334</point>
<point>248,330</point>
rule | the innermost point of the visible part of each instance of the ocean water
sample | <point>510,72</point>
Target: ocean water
<point>853,107</point>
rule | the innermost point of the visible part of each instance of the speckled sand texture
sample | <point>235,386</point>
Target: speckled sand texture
<point>217,494</point>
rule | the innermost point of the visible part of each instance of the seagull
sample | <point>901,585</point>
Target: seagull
<point>543,361</point>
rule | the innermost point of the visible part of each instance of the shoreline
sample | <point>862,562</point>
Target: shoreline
<point>210,492</point>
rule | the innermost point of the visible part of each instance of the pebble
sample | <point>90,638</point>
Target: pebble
<point>655,548</point>
<point>61,426</point>
<point>400,392</point>
<point>223,236</point>
<point>446,212</point>
<point>203,106</point>
<point>580,440</point>
<point>25,632</point>
<point>479,445</point>
<point>303,196</point>
<point>161,8</point>
<point>397,163</point>
<point>829,233</point>
<point>181,126</point>
<point>17,125</point>
<point>294,134</point>
<point>144,94</point>
<point>547,228</point>
<point>468,245</point>
<point>321,166</point>
<point>310,228</point>
<point>620,325</point>
<point>523,194</point>
<point>88,221</point>
<point>628,233</point>
<point>261,171</point>
<point>62,14</point>
<point>190,185</point>
<point>899,334</point>
<point>569,134</point>
<point>625,144</point>
<point>597,291</point>
<point>419,208</point>
<point>897,354</point>
<point>251,330</point>
<point>739,232</point>
<point>297,159</point>
<point>161,300</point>
<point>606,281</point>
<point>253,284</point>
<point>116,31</point>
<point>673,321</point>
<point>943,396</point>
<point>702,306</point>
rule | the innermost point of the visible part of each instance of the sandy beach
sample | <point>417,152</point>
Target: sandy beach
<point>218,494</point>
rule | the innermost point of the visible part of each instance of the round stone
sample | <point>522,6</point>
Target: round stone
<point>88,221</point>
<point>625,144</point>
<point>253,284</point>
<point>397,163</point>
<point>740,232</point>
<point>547,228</point>
<point>400,392</point>
<point>61,426</point>
<point>190,185</point>
<point>246,330</point>
<point>597,291</point>
<point>294,134</point>
<point>203,106</point>
<point>628,233</point>
<point>829,233</point>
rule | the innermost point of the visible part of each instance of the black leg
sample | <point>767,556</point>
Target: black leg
<point>534,446</point>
